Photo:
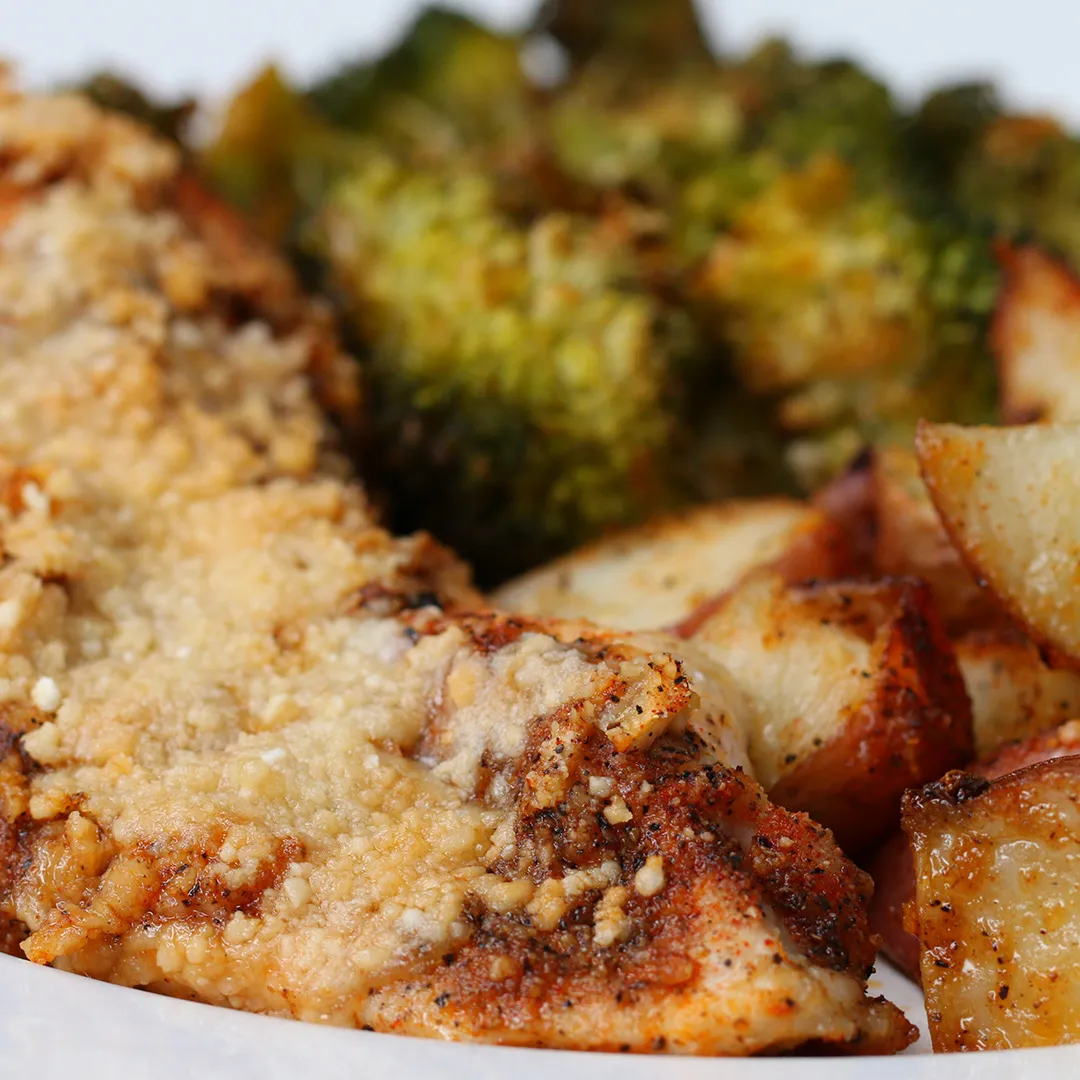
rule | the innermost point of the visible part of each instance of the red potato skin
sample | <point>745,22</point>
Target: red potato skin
<point>892,868</point>
<point>851,500</point>
<point>894,886</point>
<point>890,533</point>
<point>914,725</point>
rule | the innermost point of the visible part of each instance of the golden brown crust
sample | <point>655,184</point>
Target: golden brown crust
<point>892,868</point>
<point>991,488</point>
<point>995,868</point>
<point>915,723</point>
<point>687,820</point>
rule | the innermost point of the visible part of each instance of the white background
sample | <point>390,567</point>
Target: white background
<point>1032,46</point>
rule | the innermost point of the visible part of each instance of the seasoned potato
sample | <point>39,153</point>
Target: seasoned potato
<point>891,525</point>
<point>661,573</point>
<point>1036,338</point>
<point>851,501</point>
<point>1009,498</point>
<point>1014,693</point>
<point>894,885</point>
<point>1062,741</point>
<point>909,539</point>
<point>892,868</point>
<point>851,694</point>
<point>997,873</point>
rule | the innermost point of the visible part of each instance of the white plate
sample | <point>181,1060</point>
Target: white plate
<point>60,1026</point>
<point>55,1026</point>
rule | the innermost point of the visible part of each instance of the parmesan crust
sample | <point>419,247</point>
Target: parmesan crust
<point>253,749</point>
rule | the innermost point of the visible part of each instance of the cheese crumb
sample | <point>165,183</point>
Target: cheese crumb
<point>10,613</point>
<point>611,924</point>
<point>549,904</point>
<point>502,967</point>
<point>617,812</point>
<point>46,695</point>
<point>601,786</point>
<point>35,499</point>
<point>297,891</point>
<point>649,880</point>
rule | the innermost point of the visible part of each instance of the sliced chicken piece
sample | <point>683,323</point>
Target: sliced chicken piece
<point>254,751</point>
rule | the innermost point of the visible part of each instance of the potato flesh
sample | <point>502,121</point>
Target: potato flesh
<point>892,869</point>
<point>1036,336</point>
<point>997,874</point>
<point>1014,693</point>
<point>850,695</point>
<point>1010,499</point>
<point>909,539</point>
<point>659,574</point>
<point>885,511</point>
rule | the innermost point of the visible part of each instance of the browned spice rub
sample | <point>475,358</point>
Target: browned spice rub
<point>253,752</point>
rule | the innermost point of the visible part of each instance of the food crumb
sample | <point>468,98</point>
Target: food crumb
<point>46,694</point>
<point>650,879</point>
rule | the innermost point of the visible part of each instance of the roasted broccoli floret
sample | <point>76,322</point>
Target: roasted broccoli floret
<point>612,138</point>
<point>451,86</point>
<point>712,136</point>
<point>797,109</point>
<point>275,157</point>
<point>673,275</point>
<point>114,92</point>
<point>1023,174</point>
<point>525,383</point>
<point>646,35</point>
<point>857,314</point>
<point>943,130</point>
<point>1020,175</point>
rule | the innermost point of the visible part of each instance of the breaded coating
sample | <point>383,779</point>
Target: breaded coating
<point>254,752</point>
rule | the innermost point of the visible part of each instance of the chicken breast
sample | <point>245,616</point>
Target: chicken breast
<point>255,751</point>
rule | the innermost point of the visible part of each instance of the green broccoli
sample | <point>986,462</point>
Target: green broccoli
<point>855,313</point>
<point>114,92</point>
<point>1019,175</point>
<point>642,36</point>
<point>451,86</point>
<point>524,380</point>
<point>673,276</point>
<point>797,109</point>
<point>275,157</point>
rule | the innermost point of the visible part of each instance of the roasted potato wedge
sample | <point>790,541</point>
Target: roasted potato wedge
<point>997,872</point>
<point>1014,693</point>
<point>892,868</point>
<point>851,694</point>
<point>1036,338</point>
<point>1061,741</point>
<point>893,530</point>
<point>1009,498</point>
<point>661,573</point>
<point>851,501</point>
<point>909,540</point>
